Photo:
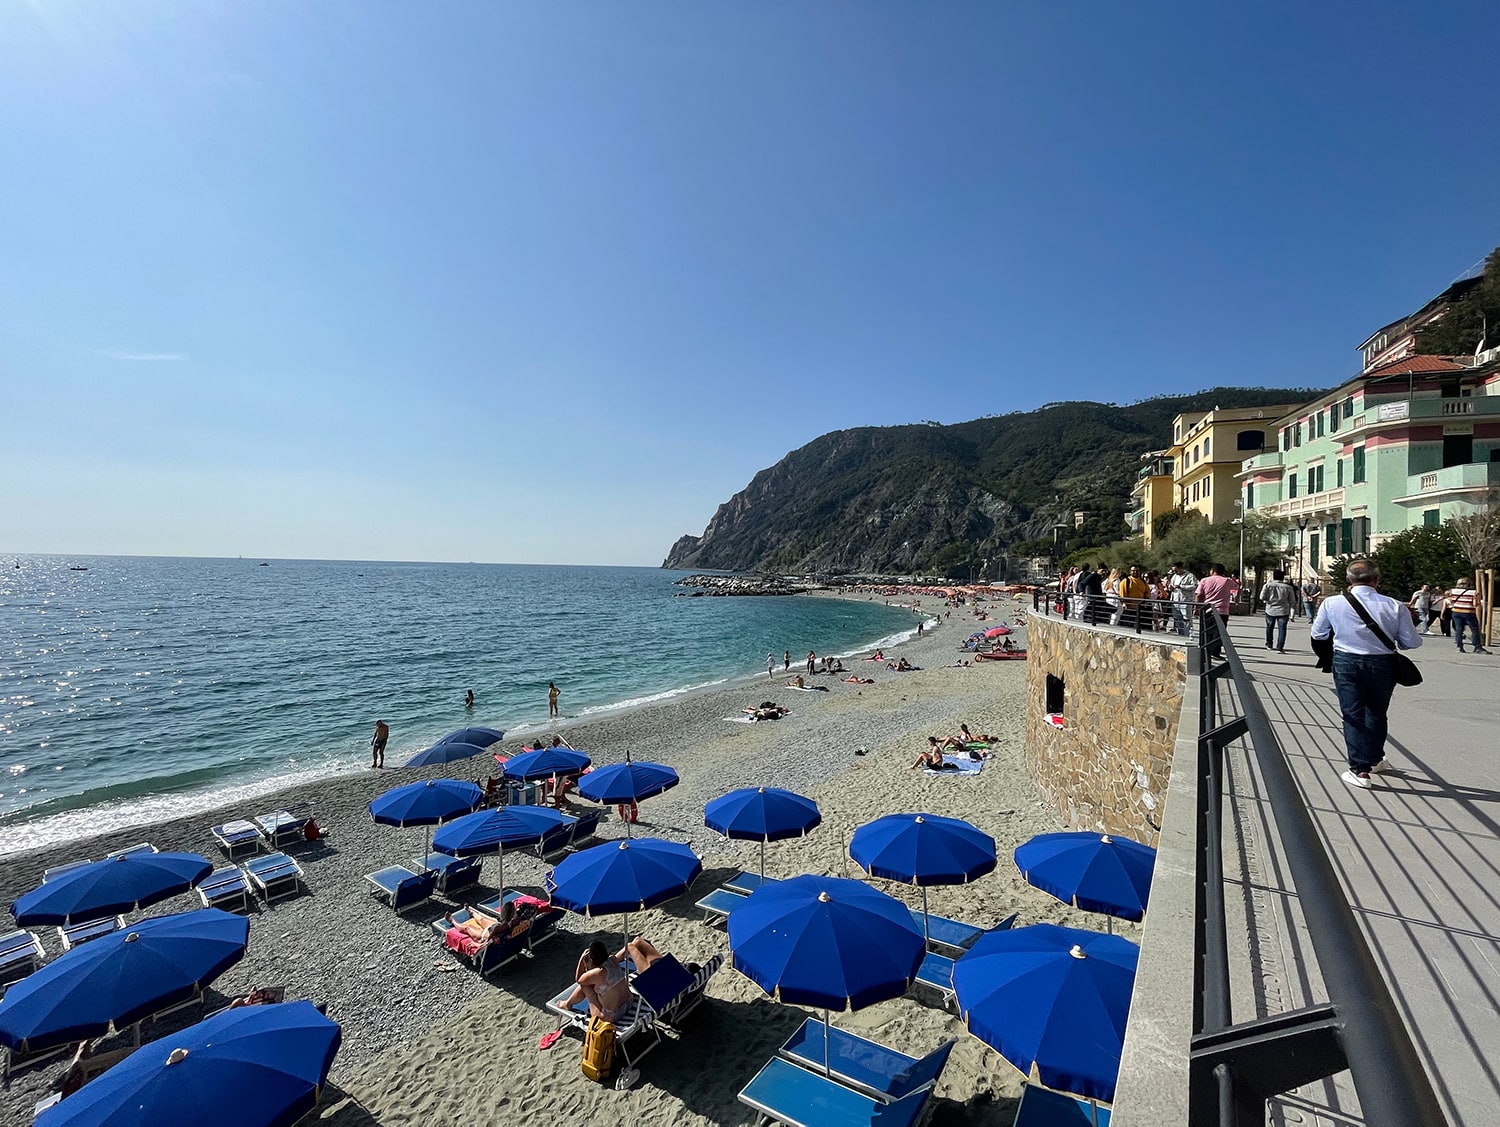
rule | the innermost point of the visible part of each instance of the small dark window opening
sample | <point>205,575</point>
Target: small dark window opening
<point>1054,692</point>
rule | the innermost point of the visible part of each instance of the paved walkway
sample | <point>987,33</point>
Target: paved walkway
<point>1419,855</point>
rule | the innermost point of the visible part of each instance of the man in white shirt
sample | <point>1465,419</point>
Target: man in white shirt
<point>1364,668</point>
<point>1183,585</point>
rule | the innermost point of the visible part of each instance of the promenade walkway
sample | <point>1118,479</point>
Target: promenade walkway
<point>1419,855</point>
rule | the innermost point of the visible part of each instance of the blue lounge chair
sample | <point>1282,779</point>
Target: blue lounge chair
<point>935,975</point>
<point>20,954</point>
<point>553,844</point>
<point>952,937</point>
<point>225,888</point>
<point>1042,1107</point>
<point>586,827</point>
<point>866,1066</point>
<point>717,905</point>
<point>785,1093</point>
<point>129,851</point>
<point>401,887</point>
<point>462,915</point>
<point>284,825</point>
<point>744,883</point>
<point>275,875</point>
<point>234,836</point>
<point>454,873</point>
<point>74,934</point>
<point>59,870</point>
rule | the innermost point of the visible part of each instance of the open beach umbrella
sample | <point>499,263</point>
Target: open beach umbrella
<point>121,978</point>
<point>761,814</point>
<point>826,942</point>
<point>996,631</point>
<point>426,803</point>
<point>546,763</point>
<point>627,783</point>
<point>479,737</point>
<point>923,849</point>
<point>1054,999</point>
<point>444,752</point>
<point>254,1066</point>
<point>623,876</point>
<point>1094,872</point>
<point>109,887</point>
<point>495,831</point>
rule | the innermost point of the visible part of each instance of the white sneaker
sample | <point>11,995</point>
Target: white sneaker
<point>1382,767</point>
<point>1361,780</point>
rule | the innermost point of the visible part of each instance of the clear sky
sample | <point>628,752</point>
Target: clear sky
<point>548,282</point>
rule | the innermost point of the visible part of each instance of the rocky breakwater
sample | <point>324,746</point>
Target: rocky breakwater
<point>743,585</point>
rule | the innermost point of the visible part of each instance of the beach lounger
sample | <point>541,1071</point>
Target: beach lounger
<point>744,883</point>
<point>59,870</point>
<point>225,888</point>
<point>586,828</point>
<point>554,843</point>
<point>284,825</point>
<point>234,836</point>
<point>74,934</point>
<point>128,851</point>
<point>402,888</point>
<point>275,875</point>
<point>462,915</point>
<point>952,937</point>
<point>783,1092</point>
<point>454,873</point>
<point>1042,1107</point>
<point>717,905</point>
<point>866,1066</point>
<point>20,954</point>
<point>935,975</point>
<point>493,956</point>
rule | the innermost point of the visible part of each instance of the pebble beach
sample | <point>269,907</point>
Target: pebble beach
<point>427,1040</point>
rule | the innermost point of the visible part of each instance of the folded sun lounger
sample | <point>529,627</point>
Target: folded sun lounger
<point>275,875</point>
<point>1042,1107</point>
<point>20,954</point>
<point>234,836</point>
<point>402,888</point>
<point>225,888</point>
<point>785,1093</point>
<point>866,1066</point>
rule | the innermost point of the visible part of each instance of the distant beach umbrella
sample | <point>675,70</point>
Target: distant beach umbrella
<point>426,803</point>
<point>623,876</point>
<point>996,631</point>
<point>827,942</point>
<point>121,978</point>
<point>546,763</point>
<point>923,850</point>
<point>107,888</point>
<point>495,831</point>
<point>253,1066</point>
<point>761,814</point>
<point>445,752</point>
<point>1051,998</point>
<point>479,737</point>
<point>1091,871</point>
<point>624,784</point>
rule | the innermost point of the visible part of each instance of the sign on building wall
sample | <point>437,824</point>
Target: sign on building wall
<point>1390,412</point>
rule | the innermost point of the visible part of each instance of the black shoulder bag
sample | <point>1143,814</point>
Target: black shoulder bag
<point>1407,672</point>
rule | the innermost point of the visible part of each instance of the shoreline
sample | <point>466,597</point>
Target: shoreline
<point>399,995</point>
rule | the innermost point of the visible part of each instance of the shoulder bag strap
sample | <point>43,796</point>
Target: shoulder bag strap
<point>1360,610</point>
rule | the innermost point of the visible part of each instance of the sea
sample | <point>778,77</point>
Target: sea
<point>138,689</point>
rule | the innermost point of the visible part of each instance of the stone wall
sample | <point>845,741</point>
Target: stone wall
<point>1106,767</point>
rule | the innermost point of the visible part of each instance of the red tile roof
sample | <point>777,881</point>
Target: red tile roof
<point>1417,364</point>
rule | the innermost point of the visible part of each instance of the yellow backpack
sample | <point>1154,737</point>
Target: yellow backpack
<point>598,1049</point>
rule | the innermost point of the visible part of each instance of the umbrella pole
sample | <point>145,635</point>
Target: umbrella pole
<point>926,929</point>
<point>762,860</point>
<point>501,854</point>
<point>827,1036</point>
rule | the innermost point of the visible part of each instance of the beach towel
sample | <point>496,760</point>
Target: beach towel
<point>740,719</point>
<point>965,765</point>
<point>809,688</point>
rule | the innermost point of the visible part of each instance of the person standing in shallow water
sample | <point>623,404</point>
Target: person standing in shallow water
<point>786,660</point>
<point>469,699</point>
<point>552,694</point>
<point>378,742</point>
<point>770,665</point>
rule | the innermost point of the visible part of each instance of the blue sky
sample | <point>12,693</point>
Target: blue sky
<point>549,282</point>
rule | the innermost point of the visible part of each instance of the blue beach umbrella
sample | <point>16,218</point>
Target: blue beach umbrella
<point>1094,872</point>
<point>427,803</point>
<point>495,831</point>
<point>623,876</point>
<point>479,737</point>
<point>761,814</point>
<point>923,849</point>
<point>627,783</point>
<point>444,752</point>
<point>827,942</point>
<point>1051,998</point>
<point>107,888</point>
<point>121,978</point>
<point>255,1066</point>
<point>547,763</point>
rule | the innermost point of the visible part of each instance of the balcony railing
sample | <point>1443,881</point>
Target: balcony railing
<point>1266,460</point>
<point>1327,500</point>
<point>1396,411</point>
<point>1470,477</point>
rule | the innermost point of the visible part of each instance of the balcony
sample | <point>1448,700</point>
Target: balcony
<point>1260,463</point>
<point>1401,411</point>
<point>1468,482</point>
<point>1330,500</point>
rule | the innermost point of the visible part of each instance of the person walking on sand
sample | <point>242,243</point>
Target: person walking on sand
<point>378,742</point>
<point>552,694</point>
<point>770,665</point>
<point>786,661</point>
<point>812,660</point>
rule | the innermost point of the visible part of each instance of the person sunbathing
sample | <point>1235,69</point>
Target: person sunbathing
<point>796,682</point>
<point>969,737</point>
<point>602,980</point>
<point>474,934</point>
<point>859,680</point>
<point>931,757</point>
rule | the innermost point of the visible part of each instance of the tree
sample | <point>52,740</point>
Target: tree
<point>1410,559</point>
<point>1475,315</point>
<point>1479,533</point>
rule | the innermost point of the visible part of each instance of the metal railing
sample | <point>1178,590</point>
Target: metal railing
<point>1236,1067</point>
<point>1143,616</point>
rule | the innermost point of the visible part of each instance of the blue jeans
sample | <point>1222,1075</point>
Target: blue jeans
<point>1180,618</point>
<point>1462,622</point>
<point>1276,624</point>
<point>1364,683</point>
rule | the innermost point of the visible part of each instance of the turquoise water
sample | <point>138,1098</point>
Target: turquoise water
<point>144,688</point>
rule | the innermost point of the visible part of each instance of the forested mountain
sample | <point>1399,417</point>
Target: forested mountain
<point>931,498</point>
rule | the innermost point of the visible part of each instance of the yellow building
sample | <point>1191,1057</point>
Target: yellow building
<point>1208,449</point>
<point>1152,494</point>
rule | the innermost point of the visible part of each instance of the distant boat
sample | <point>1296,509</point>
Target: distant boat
<point>75,567</point>
<point>265,565</point>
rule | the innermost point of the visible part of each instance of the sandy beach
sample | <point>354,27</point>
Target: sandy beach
<point>427,1040</point>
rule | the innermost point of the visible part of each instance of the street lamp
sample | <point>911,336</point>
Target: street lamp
<point>1301,532</point>
<point>1240,520</point>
